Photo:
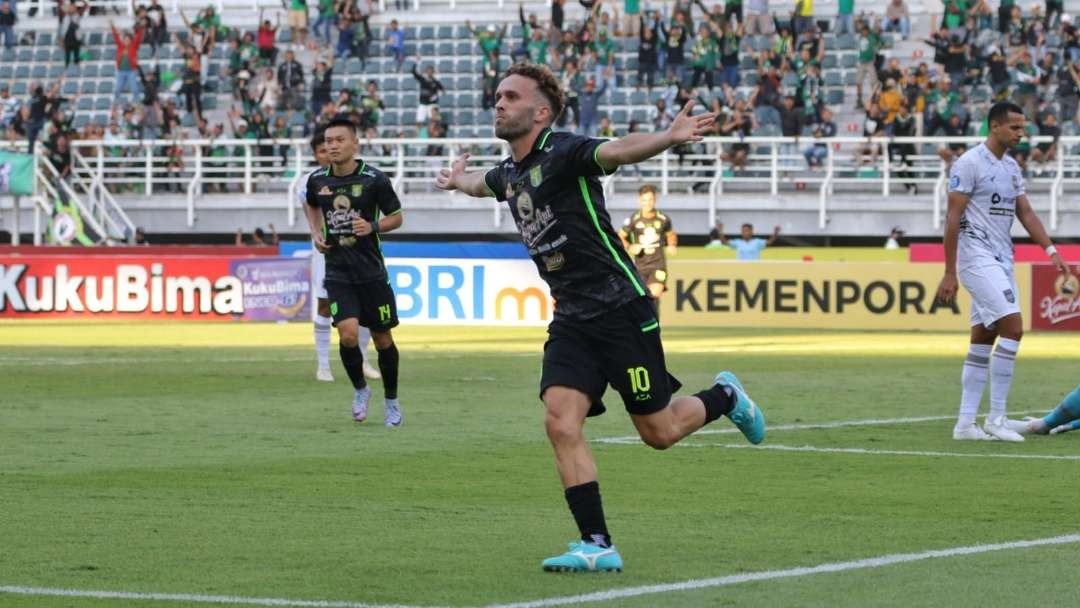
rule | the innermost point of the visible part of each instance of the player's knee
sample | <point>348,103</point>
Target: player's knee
<point>383,340</point>
<point>561,429</point>
<point>348,336</point>
<point>658,439</point>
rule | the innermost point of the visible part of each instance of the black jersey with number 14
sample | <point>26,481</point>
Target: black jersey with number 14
<point>365,193</point>
<point>558,205</point>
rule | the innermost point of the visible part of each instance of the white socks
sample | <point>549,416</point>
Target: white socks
<point>1001,374</point>
<point>364,337</point>
<point>322,341</point>
<point>973,380</point>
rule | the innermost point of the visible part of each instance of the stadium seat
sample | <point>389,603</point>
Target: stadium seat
<point>835,96</point>
<point>392,100</point>
<point>446,32</point>
<point>427,48</point>
<point>638,98</point>
<point>427,32</point>
<point>619,97</point>
<point>108,70</point>
<point>409,100</point>
<point>69,88</point>
<point>849,60</point>
<point>81,120</point>
<point>829,62</point>
<point>463,47</point>
<point>56,70</point>
<point>22,72</point>
<point>752,79</point>
<point>40,56</point>
<point>8,55</point>
<point>846,42</point>
<point>834,79</point>
<point>446,48</point>
<point>6,71</point>
<point>39,72</point>
<point>103,103</point>
<point>19,88</point>
<point>44,39</point>
<point>620,116</point>
<point>463,117</point>
<point>89,70</point>
<point>85,104</point>
<point>466,100</point>
<point>444,66</point>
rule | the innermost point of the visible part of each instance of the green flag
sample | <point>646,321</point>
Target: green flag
<point>16,173</point>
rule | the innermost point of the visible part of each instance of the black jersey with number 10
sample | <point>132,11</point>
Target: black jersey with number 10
<point>558,205</point>
<point>365,193</point>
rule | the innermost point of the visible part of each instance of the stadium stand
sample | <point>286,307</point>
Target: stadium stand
<point>228,95</point>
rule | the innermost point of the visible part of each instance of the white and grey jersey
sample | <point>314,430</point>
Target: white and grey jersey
<point>301,190</point>
<point>993,186</point>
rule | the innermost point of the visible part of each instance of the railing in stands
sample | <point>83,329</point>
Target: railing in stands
<point>853,165</point>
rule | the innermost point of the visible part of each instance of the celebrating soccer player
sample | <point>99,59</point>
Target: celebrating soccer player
<point>644,235</point>
<point>604,330</point>
<point>318,274</point>
<point>986,190</point>
<point>344,204</point>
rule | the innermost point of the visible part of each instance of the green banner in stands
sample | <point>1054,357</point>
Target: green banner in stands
<point>16,173</point>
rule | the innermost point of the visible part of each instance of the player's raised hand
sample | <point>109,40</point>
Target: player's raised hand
<point>946,291</point>
<point>686,128</point>
<point>447,179</point>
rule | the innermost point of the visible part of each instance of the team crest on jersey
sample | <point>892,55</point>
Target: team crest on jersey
<point>536,176</point>
<point>554,262</point>
<point>1010,296</point>
<point>325,191</point>
<point>341,202</point>
<point>357,189</point>
<point>524,206</point>
<point>954,182</point>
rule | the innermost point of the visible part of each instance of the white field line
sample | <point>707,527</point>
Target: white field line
<point>931,454</point>
<point>634,439</point>
<point>735,579</point>
<point>599,596</point>
<point>191,598</point>
<point>92,360</point>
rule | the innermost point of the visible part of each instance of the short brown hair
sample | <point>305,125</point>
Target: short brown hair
<point>647,188</point>
<point>545,81</point>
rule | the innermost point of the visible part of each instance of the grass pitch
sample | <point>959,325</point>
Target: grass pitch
<point>204,459</point>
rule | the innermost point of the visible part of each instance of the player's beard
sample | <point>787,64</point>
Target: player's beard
<point>513,127</point>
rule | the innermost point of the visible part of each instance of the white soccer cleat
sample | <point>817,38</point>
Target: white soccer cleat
<point>323,374</point>
<point>1027,426</point>
<point>392,413</point>
<point>370,372</point>
<point>970,432</point>
<point>360,403</point>
<point>998,428</point>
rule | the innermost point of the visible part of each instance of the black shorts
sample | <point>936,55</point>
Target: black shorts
<point>621,348</point>
<point>654,272</point>
<point>372,303</point>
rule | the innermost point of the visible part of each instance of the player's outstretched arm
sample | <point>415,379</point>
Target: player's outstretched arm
<point>637,147</point>
<point>455,177</point>
<point>1037,231</point>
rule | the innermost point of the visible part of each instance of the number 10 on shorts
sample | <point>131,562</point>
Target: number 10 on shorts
<point>639,379</point>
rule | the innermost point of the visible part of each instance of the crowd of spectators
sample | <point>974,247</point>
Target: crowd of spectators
<point>282,84</point>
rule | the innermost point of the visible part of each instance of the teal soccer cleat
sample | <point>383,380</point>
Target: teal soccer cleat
<point>585,557</point>
<point>746,415</point>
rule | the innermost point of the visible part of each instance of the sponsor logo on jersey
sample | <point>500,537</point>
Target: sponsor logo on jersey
<point>325,191</point>
<point>357,189</point>
<point>554,262</point>
<point>536,176</point>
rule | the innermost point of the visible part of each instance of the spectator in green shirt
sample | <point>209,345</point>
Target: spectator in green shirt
<point>605,49</point>
<point>845,17</point>
<point>703,56</point>
<point>869,45</point>
<point>326,19</point>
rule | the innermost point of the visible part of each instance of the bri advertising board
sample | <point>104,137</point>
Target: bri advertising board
<point>222,288</point>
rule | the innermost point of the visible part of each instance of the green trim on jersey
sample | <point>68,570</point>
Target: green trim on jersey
<point>543,138</point>
<point>596,159</point>
<point>653,326</point>
<point>604,238</point>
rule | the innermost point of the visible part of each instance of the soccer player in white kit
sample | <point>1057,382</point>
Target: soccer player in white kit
<point>323,319</point>
<point>986,190</point>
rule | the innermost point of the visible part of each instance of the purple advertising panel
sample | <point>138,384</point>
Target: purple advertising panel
<point>277,289</point>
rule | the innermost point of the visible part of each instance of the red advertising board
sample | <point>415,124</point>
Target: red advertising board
<point>1055,300</point>
<point>935,252</point>
<point>161,287</point>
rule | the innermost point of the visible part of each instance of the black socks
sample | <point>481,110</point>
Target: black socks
<point>718,401</point>
<point>388,366</point>
<point>584,502</point>
<point>353,360</point>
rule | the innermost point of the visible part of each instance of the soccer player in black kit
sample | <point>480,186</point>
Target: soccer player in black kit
<point>646,235</point>
<point>348,206</point>
<point>604,330</point>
